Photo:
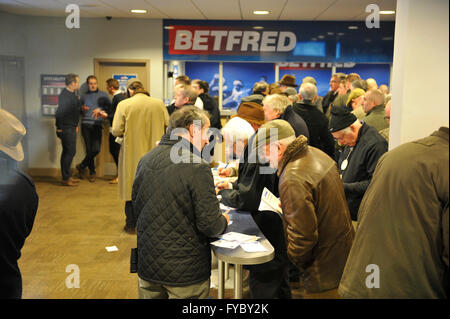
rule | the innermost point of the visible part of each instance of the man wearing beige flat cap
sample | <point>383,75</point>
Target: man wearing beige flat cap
<point>18,205</point>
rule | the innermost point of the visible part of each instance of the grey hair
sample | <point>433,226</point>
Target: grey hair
<point>260,87</point>
<point>277,102</point>
<point>377,96</point>
<point>308,91</point>
<point>186,116</point>
<point>188,91</point>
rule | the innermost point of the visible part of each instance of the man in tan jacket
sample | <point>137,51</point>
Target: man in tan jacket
<point>316,218</point>
<point>139,122</point>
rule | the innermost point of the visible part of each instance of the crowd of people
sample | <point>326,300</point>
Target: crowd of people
<point>347,202</point>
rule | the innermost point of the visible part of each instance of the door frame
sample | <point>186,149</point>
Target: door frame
<point>100,167</point>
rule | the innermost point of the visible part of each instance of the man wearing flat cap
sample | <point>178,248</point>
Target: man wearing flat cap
<point>363,146</point>
<point>18,205</point>
<point>316,220</point>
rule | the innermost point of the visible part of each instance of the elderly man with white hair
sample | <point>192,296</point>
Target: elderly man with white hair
<point>277,106</point>
<point>374,107</point>
<point>371,84</point>
<point>315,120</point>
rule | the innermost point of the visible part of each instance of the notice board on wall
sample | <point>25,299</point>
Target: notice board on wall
<point>51,87</point>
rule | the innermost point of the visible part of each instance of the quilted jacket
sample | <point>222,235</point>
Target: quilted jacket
<point>177,213</point>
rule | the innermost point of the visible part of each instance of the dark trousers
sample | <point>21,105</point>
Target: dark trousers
<point>130,220</point>
<point>271,280</point>
<point>114,148</point>
<point>68,138</point>
<point>92,135</point>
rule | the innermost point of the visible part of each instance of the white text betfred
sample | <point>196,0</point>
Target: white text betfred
<point>245,41</point>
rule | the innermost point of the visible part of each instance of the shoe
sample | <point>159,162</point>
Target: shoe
<point>114,180</point>
<point>92,178</point>
<point>69,182</point>
<point>129,230</point>
<point>80,170</point>
<point>74,179</point>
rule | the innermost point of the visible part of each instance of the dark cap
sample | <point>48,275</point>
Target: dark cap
<point>341,118</point>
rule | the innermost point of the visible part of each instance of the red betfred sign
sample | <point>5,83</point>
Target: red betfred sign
<point>217,40</point>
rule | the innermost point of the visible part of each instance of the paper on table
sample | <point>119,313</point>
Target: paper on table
<point>225,244</point>
<point>269,202</point>
<point>241,238</point>
<point>253,247</point>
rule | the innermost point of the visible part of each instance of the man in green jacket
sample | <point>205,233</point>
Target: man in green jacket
<point>401,244</point>
<point>374,108</point>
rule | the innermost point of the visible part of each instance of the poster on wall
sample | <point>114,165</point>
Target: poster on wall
<point>238,79</point>
<point>123,80</point>
<point>51,87</point>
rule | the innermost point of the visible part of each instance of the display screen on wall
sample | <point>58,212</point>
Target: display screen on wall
<point>51,87</point>
<point>276,41</point>
<point>238,78</point>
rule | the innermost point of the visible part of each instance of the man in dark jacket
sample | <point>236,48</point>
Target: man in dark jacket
<point>363,146</point>
<point>317,224</point>
<point>67,117</point>
<point>177,211</point>
<point>18,205</point>
<point>209,104</point>
<point>317,123</point>
<point>403,226</point>
<point>113,88</point>
<point>277,106</point>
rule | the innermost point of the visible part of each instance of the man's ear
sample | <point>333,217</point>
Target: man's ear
<point>192,130</point>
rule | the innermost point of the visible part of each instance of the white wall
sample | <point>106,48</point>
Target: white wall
<point>50,48</point>
<point>420,76</point>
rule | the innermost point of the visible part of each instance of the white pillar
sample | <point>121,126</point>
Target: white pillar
<point>420,79</point>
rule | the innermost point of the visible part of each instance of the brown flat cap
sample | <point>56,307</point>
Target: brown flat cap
<point>251,112</point>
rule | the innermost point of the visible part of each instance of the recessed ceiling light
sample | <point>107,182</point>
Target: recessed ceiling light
<point>353,27</point>
<point>138,11</point>
<point>321,36</point>
<point>341,33</point>
<point>387,12</point>
<point>258,27</point>
<point>261,12</point>
<point>330,33</point>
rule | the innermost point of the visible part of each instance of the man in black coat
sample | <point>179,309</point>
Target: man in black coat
<point>177,211</point>
<point>113,88</point>
<point>363,146</point>
<point>317,123</point>
<point>18,205</point>
<point>67,117</point>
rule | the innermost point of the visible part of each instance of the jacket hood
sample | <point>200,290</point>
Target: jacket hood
<point>293,150</point>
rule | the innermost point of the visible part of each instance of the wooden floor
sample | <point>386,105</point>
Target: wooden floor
<point>73,226</point>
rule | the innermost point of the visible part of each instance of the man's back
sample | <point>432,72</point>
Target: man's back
<point>317,123</point>
<point>18,206</point>
<point>403,223</point>
<point>177,212</point>
<point>318,225</point>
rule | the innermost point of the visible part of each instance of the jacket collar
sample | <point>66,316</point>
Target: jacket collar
<point>297,147</point>
<point>167,139</point>
<point>376,109</point>
<point>443,132</point>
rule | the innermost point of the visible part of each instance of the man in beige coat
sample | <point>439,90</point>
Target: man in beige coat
<point>139,122</point>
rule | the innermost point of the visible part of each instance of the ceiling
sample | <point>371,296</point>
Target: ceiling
<point>351,10</point>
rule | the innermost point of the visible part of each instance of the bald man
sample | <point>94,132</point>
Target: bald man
<point>374,107</point>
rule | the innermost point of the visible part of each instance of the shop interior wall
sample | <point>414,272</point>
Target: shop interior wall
<point>50,48</point>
